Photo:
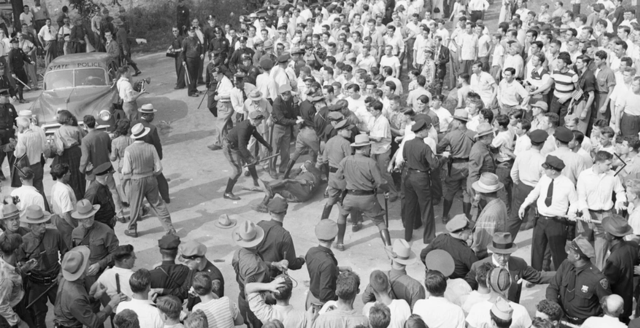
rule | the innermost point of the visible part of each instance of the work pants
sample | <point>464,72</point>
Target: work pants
<point>560,109</point>
<point>367,205</point>
<point>200,68</point>
<point>503,171</point>
<point>456,180</point>
<point>237,160</point>
<point>147,188</point>
<point>50,51</point>
<point>163,187</point>
<point>549,231</point>
<point>520,193</point>
<point>130,108</point>
<point>280,144</point>
<point>418,205</point>
<point>465,66</point>
<point>595,234</point>
<point>193,65</point>
<point>455,69</point>
<point>307,139</point>
<point>117,202</point>
<point>476,15</point>
<point>126,58</point>
<point>31,71</point>
<point>223,122</point>
<point>629,125</point>
<point>39,308</point>
<point>382,161</point>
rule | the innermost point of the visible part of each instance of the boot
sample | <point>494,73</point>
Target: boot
<point>289,167</point>
<point>228,193</point>
<point>326,212</point>
<point>342,228</point>
<point>466,208</point>
<point>446,207</point>
<point>262,207</point>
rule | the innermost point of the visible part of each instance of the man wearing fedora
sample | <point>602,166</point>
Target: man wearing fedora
<point>234,148</point>
<point>249,265</point>
<point>619,267</point>
<point>73,306</point>
<point>502,247</point>
<point>238,95</point>
<point>98,193</point>
<point>39,257</point>
<point>257,102</point>
<point>493,217</point>
<point>480,157</point>
<point>459,140</point>
<point>100,239</point>
<point>277,244</point>
<point>526,172</point>
<point>147,114</point>
<point>285,117</point>
<point>418,201</point>
<point>96,150</point>
<point>455,243</point>
<point>141,165</point>
<point>335,150</point>
<point>193,254</point>
<point>10,220</point>
<point>363,179</point>
<point>555,196</point>
<point>168,278</point>
<point>578,285</point>
<point>401,285</point>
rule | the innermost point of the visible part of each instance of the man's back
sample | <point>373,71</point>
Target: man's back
<point>96,148</point>
<point>340,319</point>
<point>148,313</point>
<point>438,312</point>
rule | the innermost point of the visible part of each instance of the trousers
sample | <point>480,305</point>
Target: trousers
<point>595,234</point>
<point>147,188</point>
<point>280,144</point>
<point>520,192</point>
<point>180,82</point>
<point>39,308</point>
<point>193,65</point>
<point>223,122</point>
<point>418,205</point>
<point>551,231</point>
<point>382,160</point>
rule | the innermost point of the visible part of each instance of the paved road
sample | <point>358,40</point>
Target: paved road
<point>198,178</point>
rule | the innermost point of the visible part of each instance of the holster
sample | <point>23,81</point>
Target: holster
<point>343,194</point>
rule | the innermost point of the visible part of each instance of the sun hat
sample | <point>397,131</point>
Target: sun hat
<point>401,252</point>
<point>84,210</point>
<point>488,183</point>
<point>139,131</point>
<point>75,263</point>
<point>248,234</point>
<point>224,222</point>
<point>34,214</point>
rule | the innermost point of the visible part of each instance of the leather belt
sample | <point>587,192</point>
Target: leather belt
<point>459,160</point>
<point>42,280</point>
<point>360,192</point>
<point>599,211</point>
<point>333,169</point>
<point>418,171</point>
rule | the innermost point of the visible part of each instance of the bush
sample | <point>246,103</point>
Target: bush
<point>154,22</point>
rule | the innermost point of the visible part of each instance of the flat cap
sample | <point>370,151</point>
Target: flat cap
<point>538,136</point>
<point>192,249</point>
<point>553,162</point>
<point>278,205</point>
<point>563,135</point>
<point>169,241</point>
<point>326,229</point>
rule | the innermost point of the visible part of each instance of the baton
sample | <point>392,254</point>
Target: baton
<point>201,100</point>
<point>17,79</point>
<point>118,283</point>
<point>261,160</point>
<point>579,218</point>
<point>41,295</point>
<point>186,73</point>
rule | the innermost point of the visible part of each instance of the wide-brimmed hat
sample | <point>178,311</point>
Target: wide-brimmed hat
<point>502,243</point>
<point>483,130</point>
<point>147,109</point>
<point>224,222</point>
<point>488,183</point>
<point>616,226</point>
<point>440,260</point>
<point>75,263</point>
<point>10,210</point>
<point>361,140</point>
<point>138,131</point>
<point>84,210</point>
<point>461,114</point>
<point>248,234</point>
<point>255,95</point>
<point>402,253</point>
<point>34,214</point>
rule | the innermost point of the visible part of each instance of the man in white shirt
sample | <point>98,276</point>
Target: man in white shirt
<point>380,134</point>
<point>128,95</point>
<point>399,308</point>
<point>47,37</point>
<point>27,194</point>
<point>483,84</point>
<point>435,310</point>
<point>511,94</point>
<point>148,313</point>
<point>613,306</point>
<point>468,48</point>
<point>125,259</point>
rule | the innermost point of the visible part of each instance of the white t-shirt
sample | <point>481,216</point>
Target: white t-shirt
<point>400,312</point>
<point>108,279</point>
<point>503,140</point>
<point>438,312</point>
<point>391,61</point>
<point>479,316</point>
<point>483,85</point>
<point>28,196</point>
<point>444,117</point>
<point>148,313</point>
<point>63,199</point>
<point>474,298</point>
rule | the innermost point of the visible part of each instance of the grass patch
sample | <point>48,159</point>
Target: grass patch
<point>154,22</point>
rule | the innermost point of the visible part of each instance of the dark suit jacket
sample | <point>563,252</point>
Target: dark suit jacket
<point>96,148</point>
<point>441,61</point>
<point>153,137</point>
<point>519,269</point>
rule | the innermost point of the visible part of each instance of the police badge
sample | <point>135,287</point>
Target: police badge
<point>584,288</point>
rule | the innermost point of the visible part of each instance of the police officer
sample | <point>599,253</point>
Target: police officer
<point>193,253</point>
<point>578,285</point>
<point>418,202</point>
<point>16,59</point>
<point>193,52</point>
<point>175,51</point>
<point>5,85</point>
<point>8,115</point>
<point>335,150</point>
<point>455,243</point>
<point>277,244</point>
<point>236,58</point>
<point>234,147</point>
<point>363,178</point>
<point>39,257</point>
<point>219,44</point>
<point>169,278</point>
<point>480,158</point>
<point>251,72</point>
<point>456,146</point>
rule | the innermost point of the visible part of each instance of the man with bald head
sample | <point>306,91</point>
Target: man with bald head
<point>613,306</point>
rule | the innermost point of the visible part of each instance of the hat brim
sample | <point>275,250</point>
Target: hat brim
<point>146,131</point>
<point>466,119</point>
<point>46,217</point>
<point>147,111</point>
<point>76,215</point>
<point>482,134</point>
<point>363,144</point>
<point>251,243</point>
<point>83,267</point>
<point>628,231</point>
<point>410,260</point>
<point>232,223</point>
<point>509,250</point>
<point>255,98</point>
<point>477,187</point>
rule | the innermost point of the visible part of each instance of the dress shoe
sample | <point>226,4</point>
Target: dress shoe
<point>131,233</point>
<point>136,73</point>
<point>194,95</point>
<point>123,219</point>
<point>230,195</point>
<point>214,147</point>
<point>356,227</point>
<point>339,247</point>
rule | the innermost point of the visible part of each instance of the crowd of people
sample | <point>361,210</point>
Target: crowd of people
<point>540,131</point>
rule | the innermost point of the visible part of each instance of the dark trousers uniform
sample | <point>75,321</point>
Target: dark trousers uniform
<point>21,75</point>
<point>363,202</point>
<point>38,286</point>
<point>503,171</point>
<point>193,65</point>
<point>551,231</point>
<point>520,193</point>
<point>235,158</point>
<point>280,144</point>
<point>180,82</point>
<point>418,204</point>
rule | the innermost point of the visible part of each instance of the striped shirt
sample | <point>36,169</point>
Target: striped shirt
<point>141,160</point>
<point>564,83</point>
<point>220,312</point>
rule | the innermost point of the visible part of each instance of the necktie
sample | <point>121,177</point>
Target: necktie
<point>244,94</point>
<point>571,285</point>
<point>547,201</point>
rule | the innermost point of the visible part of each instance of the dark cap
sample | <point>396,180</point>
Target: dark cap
<point>335,115</point>
<point>422,123</point>
<point>102,169</point>
<point>538,136</point>
<point>239,75</point>
<point>169,241</point>
<point>581,245</point>
<point>563,135</point>
<point>14,40</point>
<point>256,115</point>
<point>266,64</point>
<point>554,163</point>
<point>283,59</point>
<point>340,125</point>
<point>243,39</point>
<point>342,104</point>
<point>278,205</point>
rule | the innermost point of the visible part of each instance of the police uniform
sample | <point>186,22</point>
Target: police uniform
<point>236,58</point>
<point>463,256</point>
<point>335,150</point>
<point>322,267</point>
<point>8,115</point>
<point>579,290</point>
<point>176,44</point>
<point>459,143</point>
<point>363,178</point>
<point>219,46</point>
<point>192,50</point>
<point>307,139</point>
<point>194,249</point>
<point>169,276</point>
<point>16,59</point>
